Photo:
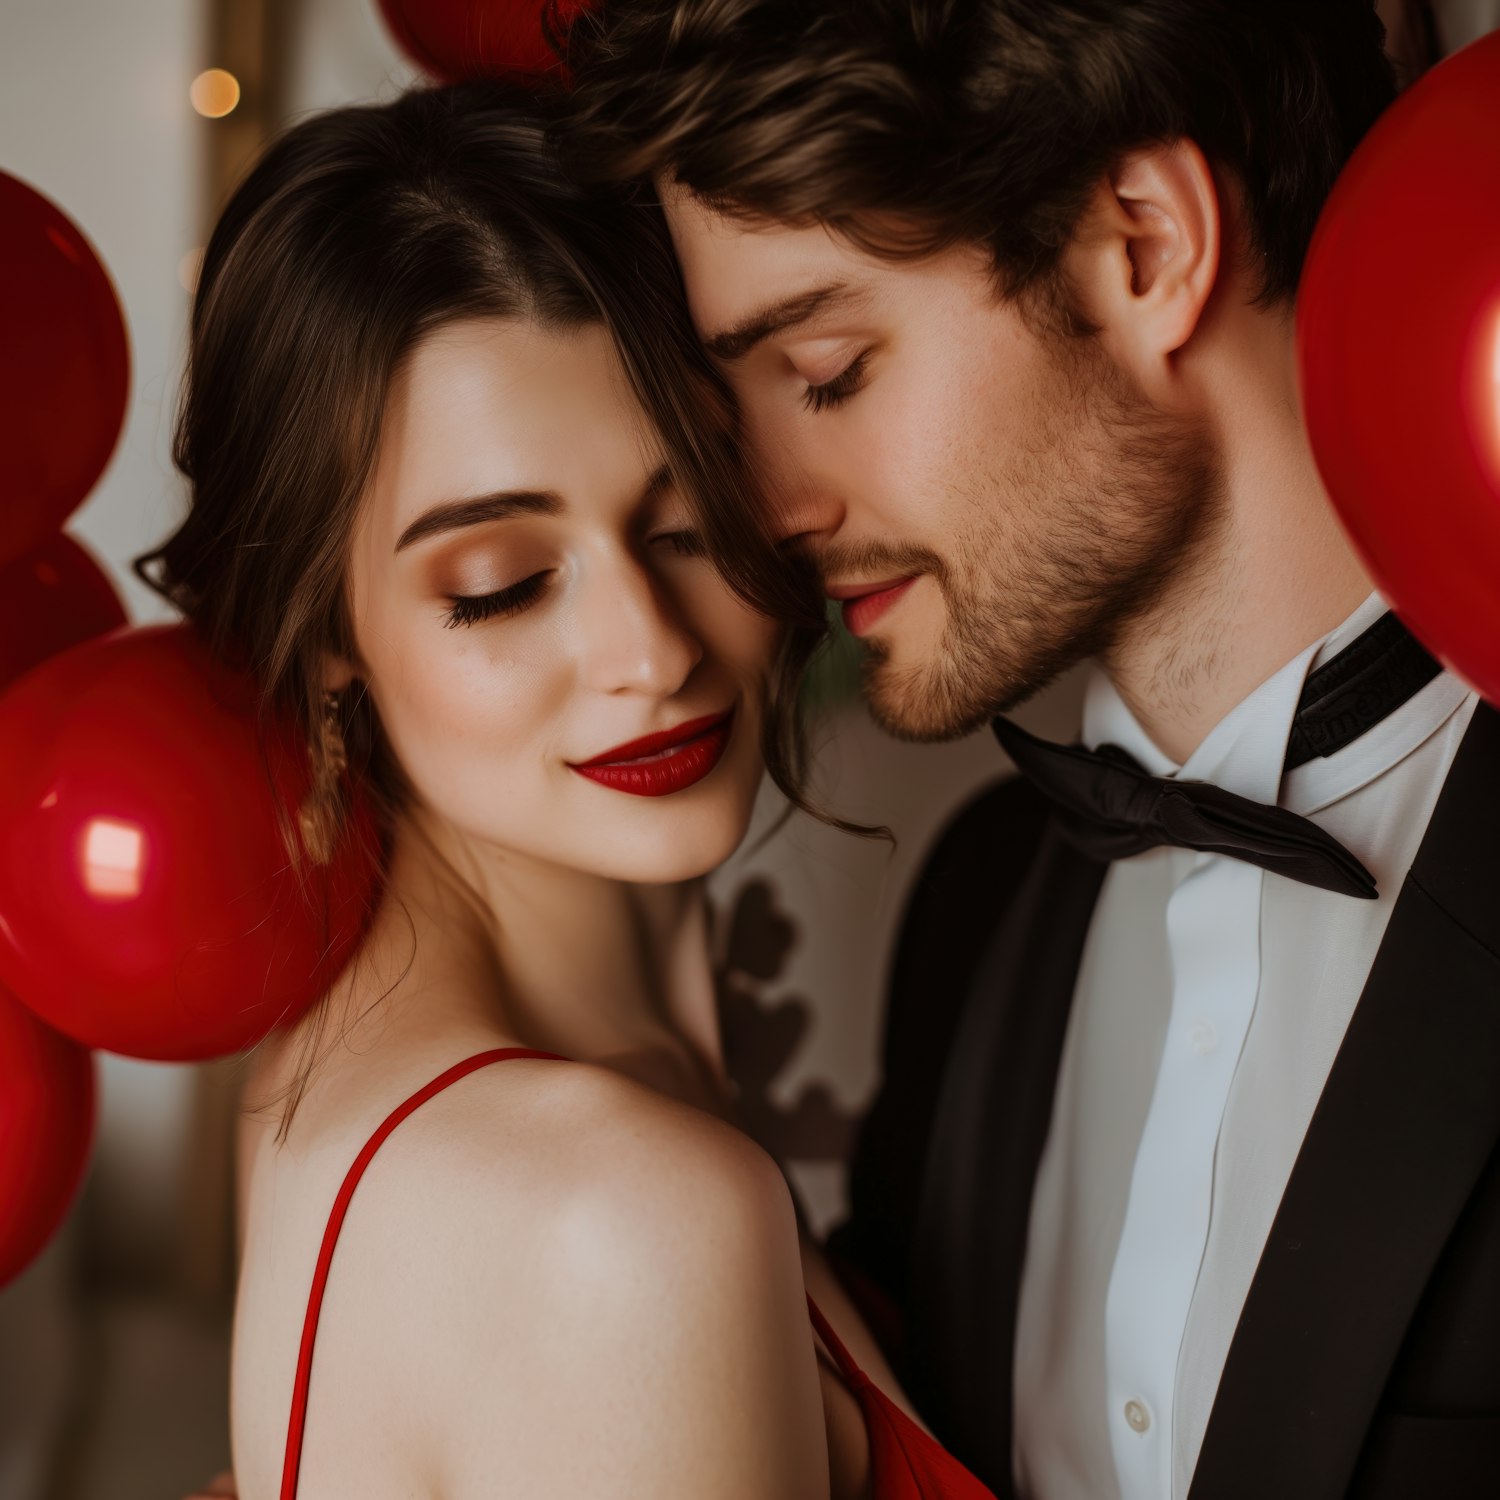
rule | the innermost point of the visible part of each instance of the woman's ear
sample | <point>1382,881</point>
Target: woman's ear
<point>338,672</point>
<point>1145,259</point>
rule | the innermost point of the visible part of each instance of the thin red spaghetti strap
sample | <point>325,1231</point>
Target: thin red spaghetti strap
<point>851,1371</point>
<point>298,1417</point>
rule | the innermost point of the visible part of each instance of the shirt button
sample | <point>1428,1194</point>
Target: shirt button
<point>1137,1416</point>
<point>1202,1038</point>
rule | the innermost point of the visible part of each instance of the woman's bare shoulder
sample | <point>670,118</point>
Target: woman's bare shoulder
<point>610,1293</point>
<point>534,1148</point>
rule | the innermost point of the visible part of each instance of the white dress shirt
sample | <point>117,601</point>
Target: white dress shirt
<point>1210,1003</point>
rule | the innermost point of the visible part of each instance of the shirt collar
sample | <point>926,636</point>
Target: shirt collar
<point>1244,751</point>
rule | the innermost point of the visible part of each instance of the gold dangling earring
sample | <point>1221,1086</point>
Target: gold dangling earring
<point>321,813</point>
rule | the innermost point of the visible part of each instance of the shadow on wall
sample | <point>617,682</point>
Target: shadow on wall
<point>762,1035</point>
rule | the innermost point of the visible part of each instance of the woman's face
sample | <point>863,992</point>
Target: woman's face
<point>530,602</point>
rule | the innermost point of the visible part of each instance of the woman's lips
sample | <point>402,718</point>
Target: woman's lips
<point>661,764</point>
<point>864,604</point>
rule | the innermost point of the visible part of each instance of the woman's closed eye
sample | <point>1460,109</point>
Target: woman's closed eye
<point>683,540</point>
<point>840,388</point>
<point>470,609</point>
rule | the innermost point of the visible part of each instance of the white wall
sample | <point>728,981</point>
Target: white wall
<point>340,53</point>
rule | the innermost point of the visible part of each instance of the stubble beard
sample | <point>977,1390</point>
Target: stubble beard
<point>1080,540</point>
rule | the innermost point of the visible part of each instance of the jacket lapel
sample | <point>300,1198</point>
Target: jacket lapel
<point>1405,1124</point>
<point>991,1121</point>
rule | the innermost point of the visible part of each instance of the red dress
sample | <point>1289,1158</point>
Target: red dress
<point>906,1464</point>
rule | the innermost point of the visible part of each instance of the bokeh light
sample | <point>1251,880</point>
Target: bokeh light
<point>215,93</point>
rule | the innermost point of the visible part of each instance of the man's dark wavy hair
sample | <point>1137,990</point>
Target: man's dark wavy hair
<point>913,125</point>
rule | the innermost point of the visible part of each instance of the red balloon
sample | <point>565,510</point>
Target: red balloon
<point>46,1126</point>
<point>147,903</point>
<point>64,368</point>
<point>1399,346</point>
<point>54,597</point>
<point>458,39</point>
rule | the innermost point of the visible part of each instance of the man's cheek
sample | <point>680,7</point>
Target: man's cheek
<point>897,457</point>
<point>770,431</point>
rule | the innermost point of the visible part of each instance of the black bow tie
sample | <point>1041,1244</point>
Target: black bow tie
<point>1108,806</point>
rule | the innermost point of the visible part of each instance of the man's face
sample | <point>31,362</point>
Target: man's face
<point>990,502</point>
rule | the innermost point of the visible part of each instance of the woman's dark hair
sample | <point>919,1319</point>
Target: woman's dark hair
<point>913,125</point>
<point>359,232</point>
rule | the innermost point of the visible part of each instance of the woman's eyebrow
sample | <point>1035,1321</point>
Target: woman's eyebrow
<point>500,505</point>
<point>470,511</point>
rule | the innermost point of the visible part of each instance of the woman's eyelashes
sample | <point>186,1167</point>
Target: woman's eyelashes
<point>683,540</point>
<point>840,388</point>
<point>470,609</point>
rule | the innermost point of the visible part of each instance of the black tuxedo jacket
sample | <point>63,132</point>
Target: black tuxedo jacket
<point>1366,1362</point>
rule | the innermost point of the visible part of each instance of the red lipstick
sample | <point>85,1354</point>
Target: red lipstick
<point>660,764</point>
<point>865,603</point>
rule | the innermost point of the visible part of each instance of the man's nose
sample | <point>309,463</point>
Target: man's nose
<point>633,638</point>
<point>801,490</point>
<point>806,520</point>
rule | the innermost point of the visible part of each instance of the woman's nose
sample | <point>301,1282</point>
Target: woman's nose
<point>634,638</point>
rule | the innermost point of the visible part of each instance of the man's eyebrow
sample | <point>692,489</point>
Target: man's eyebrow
<point>472,510</point>
<point>776,317</point>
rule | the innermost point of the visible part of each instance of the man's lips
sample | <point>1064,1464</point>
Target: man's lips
<point>659,764</point>
<point>865,603</point>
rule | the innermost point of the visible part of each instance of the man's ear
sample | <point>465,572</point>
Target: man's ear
<point>1146,257</point>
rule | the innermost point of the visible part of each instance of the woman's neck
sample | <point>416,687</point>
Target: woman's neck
<point>552,957</point>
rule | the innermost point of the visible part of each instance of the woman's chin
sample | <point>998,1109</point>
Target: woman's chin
<point>670,846</point>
